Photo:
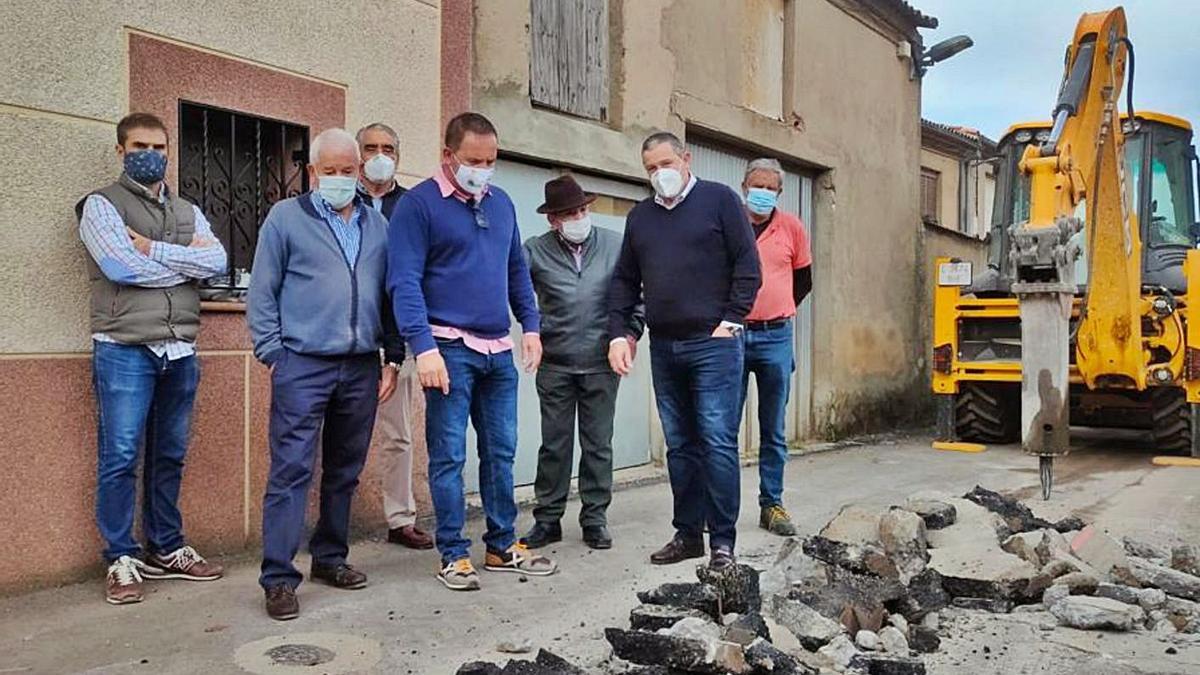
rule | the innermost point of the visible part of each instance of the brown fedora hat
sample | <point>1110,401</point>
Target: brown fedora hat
<point>564,194</point>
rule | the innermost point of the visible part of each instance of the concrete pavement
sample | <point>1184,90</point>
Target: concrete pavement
<point>406,622</point>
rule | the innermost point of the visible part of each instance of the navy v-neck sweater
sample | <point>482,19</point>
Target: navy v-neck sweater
<point>696,264</point>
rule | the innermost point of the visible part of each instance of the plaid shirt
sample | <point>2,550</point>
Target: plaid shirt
<point>103,233</point>
<point>348,235</point>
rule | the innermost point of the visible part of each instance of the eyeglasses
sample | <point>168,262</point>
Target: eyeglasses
<point>480,217</point>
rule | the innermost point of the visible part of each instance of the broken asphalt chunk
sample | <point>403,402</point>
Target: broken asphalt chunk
<point>887,664</point>
<point>736,587</point>
<point>924,639</point>
<point>654,617</point>
<point>810,628</point>
<point>993,605</point>
<point>478,668</point>
<point>1016,515</point>
<point>557,664</point>
<point>765,659</point>
<point>1091,613</point>
<point>1174,582</point>
<point>654,649</point>
<point>687,595</point>
<point>857,558</point>
<point>936,514</point>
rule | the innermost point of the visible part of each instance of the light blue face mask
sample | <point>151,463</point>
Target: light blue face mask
<point>761,200</point>
<point>337,191</point>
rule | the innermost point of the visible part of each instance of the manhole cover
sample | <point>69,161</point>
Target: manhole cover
<point>300,655</point>
<point>308,653</point>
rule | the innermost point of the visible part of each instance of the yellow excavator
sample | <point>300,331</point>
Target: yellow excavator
<point>1081,316</point>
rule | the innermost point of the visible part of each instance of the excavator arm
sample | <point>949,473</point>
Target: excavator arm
<point>1078,171</point>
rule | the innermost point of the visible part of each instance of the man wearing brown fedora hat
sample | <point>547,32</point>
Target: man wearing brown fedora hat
<point>571,266</point>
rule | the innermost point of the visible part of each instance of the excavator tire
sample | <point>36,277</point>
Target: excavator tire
<point>988,413</point>
<point>1172,419</point>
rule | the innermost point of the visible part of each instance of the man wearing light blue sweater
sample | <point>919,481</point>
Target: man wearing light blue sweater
<point>318,314</point>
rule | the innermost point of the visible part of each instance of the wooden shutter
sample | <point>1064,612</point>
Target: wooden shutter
<point>930,196</point>
<point>568,65</point>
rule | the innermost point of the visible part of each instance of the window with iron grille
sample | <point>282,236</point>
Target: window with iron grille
<point>235,166</point>
<point>931,189</point>
<point>568,61</point>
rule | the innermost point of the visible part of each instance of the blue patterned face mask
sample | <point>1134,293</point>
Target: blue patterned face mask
<point>145,166</point>
<point>761,200</point>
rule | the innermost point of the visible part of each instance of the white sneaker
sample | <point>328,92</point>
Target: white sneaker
<point>123,585</point>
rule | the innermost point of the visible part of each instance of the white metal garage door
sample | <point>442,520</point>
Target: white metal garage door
<point>728,165</point>
<point>632,435</point>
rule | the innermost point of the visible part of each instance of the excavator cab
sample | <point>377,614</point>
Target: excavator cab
<point>1156,145</point>
<point>977,327</point>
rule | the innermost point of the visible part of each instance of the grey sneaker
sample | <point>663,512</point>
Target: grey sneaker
<point>518,559</point>
<point>182,563</point>
<point>459,575</point>
<point>775,519</point>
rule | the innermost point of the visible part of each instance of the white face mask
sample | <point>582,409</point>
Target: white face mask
<point>337,191</point>
<point>667,182</point>
<point>380,168</point>
<point>473,179</point>
<point>577,231</point>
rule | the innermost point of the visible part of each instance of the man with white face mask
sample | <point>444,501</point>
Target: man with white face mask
<point>690,251</point>
<point>571,266</point>
<point>455,268</point>
<point>379,146</point>
<point>318,314</point>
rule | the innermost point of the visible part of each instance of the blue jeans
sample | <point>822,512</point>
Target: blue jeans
<point>695,385</point>
<point>141,399</point>
<point>770,357</point>
<point>484,388</point>
<point>335,396</point>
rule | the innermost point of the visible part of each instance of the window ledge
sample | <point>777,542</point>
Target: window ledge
<point>961,235</point>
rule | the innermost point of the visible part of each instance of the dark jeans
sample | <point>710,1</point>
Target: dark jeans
<point>696,386</point>
<point>483,387</point>
<point>141,397</point>
<point>310,395</point>
<point>594,398</point>
<point>770,357</point>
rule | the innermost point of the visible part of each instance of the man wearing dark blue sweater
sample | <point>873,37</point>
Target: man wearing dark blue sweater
<point>455,266</point>
<point>691,252</point>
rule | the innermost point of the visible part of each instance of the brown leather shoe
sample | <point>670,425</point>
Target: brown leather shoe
<point>677,550</point>
<point>182,563</point>
<point>282,604</point>
<point>410,536</point>
<point>123,585</point>
<point>339,576</point>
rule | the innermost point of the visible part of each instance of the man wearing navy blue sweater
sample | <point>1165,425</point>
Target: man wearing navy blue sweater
<point>690,250</point>
<point>455,266</point>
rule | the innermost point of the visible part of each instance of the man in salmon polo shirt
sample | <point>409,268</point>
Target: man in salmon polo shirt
<point>786,260</point>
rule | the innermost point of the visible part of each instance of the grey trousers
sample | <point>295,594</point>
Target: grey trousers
<point>594,398</point>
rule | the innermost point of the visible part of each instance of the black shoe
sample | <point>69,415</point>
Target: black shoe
<point>542,534</point>
<point>722,557</point>
<point>597,536</point>
<point>677,550</point>
<point>339,576</point>
<point>282,604</point>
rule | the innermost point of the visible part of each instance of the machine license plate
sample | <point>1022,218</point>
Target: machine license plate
<point>954,274</point>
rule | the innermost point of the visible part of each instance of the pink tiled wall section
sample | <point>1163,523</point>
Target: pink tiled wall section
<point>48,446</point>
<point>163,73</point>
<point>457,56</point>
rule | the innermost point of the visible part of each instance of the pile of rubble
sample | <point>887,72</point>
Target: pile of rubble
<point>867,593</point>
